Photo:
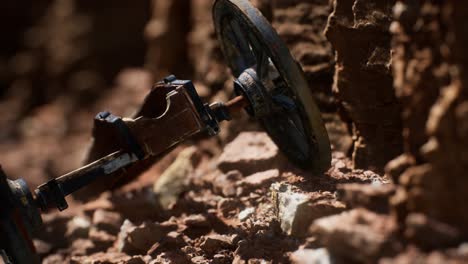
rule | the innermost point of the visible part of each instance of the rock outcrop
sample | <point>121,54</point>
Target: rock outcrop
<point>359,32</point>
<point>431,80</point>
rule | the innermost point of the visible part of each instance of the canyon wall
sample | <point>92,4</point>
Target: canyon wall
<point>430,65</point>
<point>359,32</point>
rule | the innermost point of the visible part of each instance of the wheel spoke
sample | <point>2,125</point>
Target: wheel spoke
<point>246,55</point>
<point>284,102</point>
<point>288,128</point>
<point>262,65</point>
<point>261,58</point>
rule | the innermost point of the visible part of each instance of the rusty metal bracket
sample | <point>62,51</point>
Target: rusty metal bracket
<point>127,140</point>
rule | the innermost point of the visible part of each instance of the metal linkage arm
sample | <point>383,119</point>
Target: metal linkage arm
<point>183,116</point>
<point>54,191</point>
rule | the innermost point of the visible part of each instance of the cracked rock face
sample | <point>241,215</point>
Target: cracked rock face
<point>107,221</point>
<point>359,32</point>
<point>374,197</point>
<point>358,235</point>
<point>301,24</point>
<point>138,239</point>
<point>430,40</point>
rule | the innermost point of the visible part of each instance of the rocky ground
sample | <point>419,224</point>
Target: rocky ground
<point>247,204</point>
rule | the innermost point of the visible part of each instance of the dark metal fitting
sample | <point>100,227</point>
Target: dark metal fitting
<point>203,110</point>
<point>50,194</point>
<point>249,86</point>
<point>212,123</point>
<point>26,202</point>
<point>220,111</point>
<point>102,115</point>
<point>124,133</point>
<point>169,79</point>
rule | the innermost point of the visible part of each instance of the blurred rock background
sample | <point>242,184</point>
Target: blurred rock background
<point>62,62</point>
<point>66,60</point>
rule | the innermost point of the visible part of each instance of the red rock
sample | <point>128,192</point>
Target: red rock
<point>259,179</point>
<point>221,259</point>
<point>429,233</point>
<point>171,257</point>
<point>250,152</point>
<point>102,202</point>
<point>55,228</point>
<point>139,205</point>
<point>101,239</point>
<point>191,251</point>
<point>173,240</point>
<point>196,226</point>
<point>310,256</point>
<point>398,165</point>
<point>81,247</point>
<point>42,248</point>
<point>225,184</point>
<point>435,103</point>
<point>197,220</point>
<point>370,196</point>
<point>214,243</point>
<point>107,258</point>
<point>107,221</point>
<point>228,206</point>
<point>199,260</point>
<point>139,239</point>
<point>55,258</point>
<point>409,256</point>
<point>355,26</point>
<point>77,227</point>
<point>357,235</point>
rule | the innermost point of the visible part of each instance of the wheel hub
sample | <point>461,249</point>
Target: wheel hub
<point>250,86</point>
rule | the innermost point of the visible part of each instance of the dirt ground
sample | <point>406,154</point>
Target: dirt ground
<point>390,78</point>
